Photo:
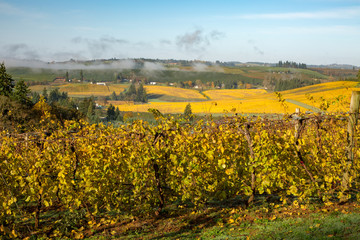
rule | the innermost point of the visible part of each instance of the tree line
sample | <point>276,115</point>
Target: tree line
<point>21,109</point>
<point>133,93</point>
<point>289,64</point>
<point>282,85</point>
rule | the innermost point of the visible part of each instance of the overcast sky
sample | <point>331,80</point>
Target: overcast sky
<point>313,32</point>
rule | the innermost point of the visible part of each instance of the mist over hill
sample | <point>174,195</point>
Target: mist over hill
<point>146,63</point>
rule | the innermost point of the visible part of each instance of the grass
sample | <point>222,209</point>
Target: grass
<point>264,220</point>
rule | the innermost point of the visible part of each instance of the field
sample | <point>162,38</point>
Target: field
<point>334,96</point>
<point>206,99</point>
<point>169,93</point>
<point>82,90</point>
<point>234,94</point>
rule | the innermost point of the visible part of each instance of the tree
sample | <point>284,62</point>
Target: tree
<point>110,113</point>
<point>45,94</point>
<point>188,112</point>
<point>131,90</point>
<point>21,92</point>
<point>81,75</point>
<point>35,97</point>
<point>134,94</point>
<point>141,94</point>
<point>56,96</point>
<point>6,82</point>
<point>118,115</point>
<point>113,96</point>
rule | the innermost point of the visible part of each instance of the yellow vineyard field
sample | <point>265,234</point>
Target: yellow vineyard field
<point>338,94</point>
<point>175,92</point>
<point>257,100</point>
<point>92,89</point>
<point>226,94</point>
<point>83,89</point>
<point>207,107</point>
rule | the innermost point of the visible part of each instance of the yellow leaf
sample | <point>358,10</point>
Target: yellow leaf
<point>14,233</point>
<point>229,171</point>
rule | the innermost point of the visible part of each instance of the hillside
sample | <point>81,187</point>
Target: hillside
<point>335,94</point>
<point>174,100</point>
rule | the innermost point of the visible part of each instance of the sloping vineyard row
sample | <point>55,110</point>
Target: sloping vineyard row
<point>140,168</point>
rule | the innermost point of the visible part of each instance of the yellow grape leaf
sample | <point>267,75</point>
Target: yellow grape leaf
<point>229,171</point>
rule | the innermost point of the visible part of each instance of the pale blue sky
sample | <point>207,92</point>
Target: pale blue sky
<point>314,32</point>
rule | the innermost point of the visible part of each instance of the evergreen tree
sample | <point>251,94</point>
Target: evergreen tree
<point>21,92</point>
<point>110,113</point>
<point>35,97</point>
<point>133,94</point>
<point>81,75</point>
<point>113,96</point>
<point>118,115</point>
<point>188,112</point>
<point>54,96</point>
<point>45,94</point>
<point>57,96</point>
<point>90,110</point>
<point>6,82</point>
<point>131,90</point>
<point>141,94</point>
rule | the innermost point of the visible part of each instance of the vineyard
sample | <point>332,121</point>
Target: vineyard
<point>139,169</point>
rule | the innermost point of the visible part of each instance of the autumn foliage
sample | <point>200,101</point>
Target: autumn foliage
<point>140,168</point>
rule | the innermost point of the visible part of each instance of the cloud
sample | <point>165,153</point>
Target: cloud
<point>19,50</point>
<point>200,67</point>
<point>216,35</point>
<point>197,40</point>
<point>153,66</point>
<point>257,50</point>
<point>99,47</point>
<point>193,40</point>
<point>119,64</point>
<point>165,42</point>
<point>255,47</point>
<point>340,13</point>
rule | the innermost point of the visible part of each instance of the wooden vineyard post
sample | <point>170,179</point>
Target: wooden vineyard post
<point>353,117</point>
